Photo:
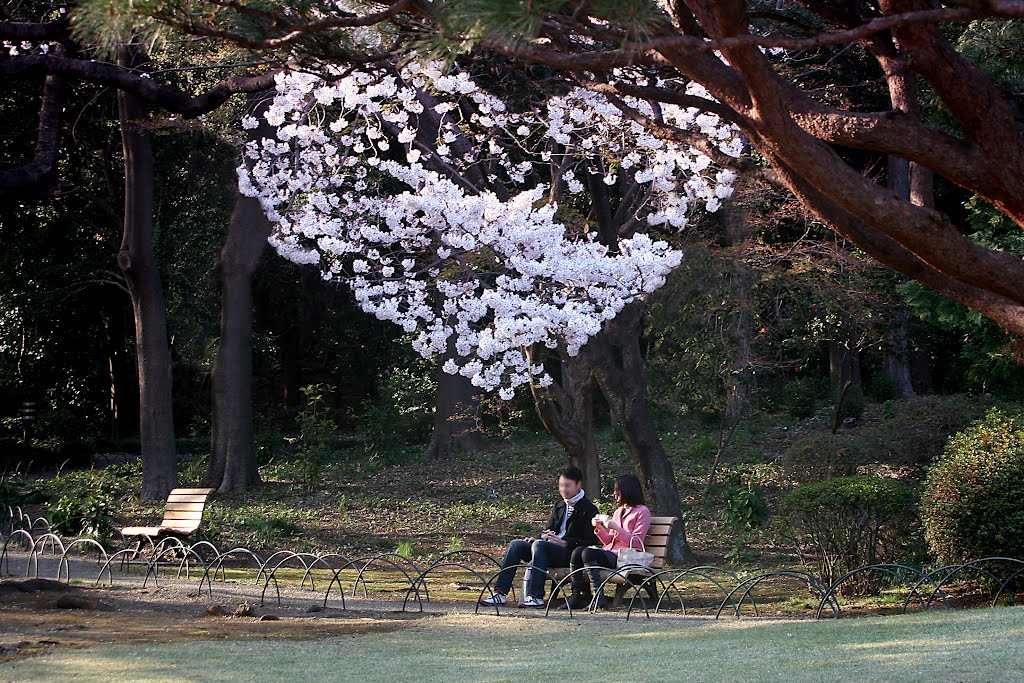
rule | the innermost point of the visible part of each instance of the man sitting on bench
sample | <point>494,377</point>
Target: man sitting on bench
<point>568,528</point>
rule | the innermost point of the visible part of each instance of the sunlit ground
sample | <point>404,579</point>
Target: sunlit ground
<point>938,645</point>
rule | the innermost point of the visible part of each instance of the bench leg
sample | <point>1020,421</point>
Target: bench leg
<point>649,588</point>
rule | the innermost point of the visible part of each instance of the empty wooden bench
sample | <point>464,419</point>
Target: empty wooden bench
<point>183,514</point>
<point>655,543</point>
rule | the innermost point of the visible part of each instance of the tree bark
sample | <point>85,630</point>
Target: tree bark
<point>844,367</point>
<point>153,354</point>
<point>742,383</point>
<point>619,371</point>
<point>232,465</point>
<point>566,409</point>
<point>41,171</point>
<point>456,410</point>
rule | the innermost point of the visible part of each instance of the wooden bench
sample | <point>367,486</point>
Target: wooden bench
<point>655,543</point>
<point>183,514</point>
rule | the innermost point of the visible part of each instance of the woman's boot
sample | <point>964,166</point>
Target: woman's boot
<point>599,602</point>
<point>580,598</point>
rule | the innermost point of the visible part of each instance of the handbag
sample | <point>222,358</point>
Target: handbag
<point>631,557</point>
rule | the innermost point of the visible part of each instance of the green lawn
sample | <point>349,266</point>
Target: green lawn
<point>973,645</point>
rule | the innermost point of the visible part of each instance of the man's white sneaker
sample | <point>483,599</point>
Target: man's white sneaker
<point>530,601</point>
<point>495,599</point>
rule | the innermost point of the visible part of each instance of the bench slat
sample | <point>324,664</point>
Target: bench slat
<point>659,530</point>
<point>187,498</point>
<point>186,506</point>
<point>206,492</point>
<point>184,516</point>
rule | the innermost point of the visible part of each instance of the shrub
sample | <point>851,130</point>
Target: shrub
<point>91,516</point>
<point>802,397</point>
<point>913,433</point>
<point>315,429</point>
<point>973,502</point>
<point>852,404</point>
<point>822,456</point>
<point>850,522</point>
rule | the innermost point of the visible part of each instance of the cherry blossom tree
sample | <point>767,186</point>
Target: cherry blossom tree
<point>443,208</point>
<point>414,183</point>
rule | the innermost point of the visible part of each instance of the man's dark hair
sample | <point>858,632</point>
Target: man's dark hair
<point>628,486</point>
<point>571,472</point>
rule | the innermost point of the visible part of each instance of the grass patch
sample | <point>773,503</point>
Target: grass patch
<point>977,645</point>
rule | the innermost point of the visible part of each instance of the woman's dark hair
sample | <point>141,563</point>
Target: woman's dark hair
<point>571,472</point>
<point>630,491</point>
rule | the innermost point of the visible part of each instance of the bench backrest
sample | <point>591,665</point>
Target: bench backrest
<point>184,510</point>
<point>656,542</point>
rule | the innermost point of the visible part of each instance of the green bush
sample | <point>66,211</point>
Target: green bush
<point>853,403</point>
<point>802,397</point>
<point>973,502</point>
<point>92,516</point>
<point>315,430</point>
<point>849,522</point>
<point>821,456</point>
<point>912,434</point>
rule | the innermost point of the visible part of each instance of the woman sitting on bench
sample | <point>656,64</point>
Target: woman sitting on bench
<point>627,525</point>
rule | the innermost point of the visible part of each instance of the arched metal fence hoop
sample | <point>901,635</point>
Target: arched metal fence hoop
<point>301,557</point>
<point>322,558</point>
<point>898,571</point>
<point>393,556</point>
<point>625,573</point>
<point>153,566</point>
<point>194,549</point>
<point>125,554</point>
<point>38,548</point>
<point>367,561</point>
<point>218,563</point>
<point>421,580</point>
<point>952,570</point>
<point>445,559</point>
<point>17,533</point>
<point>703,571</point>
<point>748,585</point>
<point>92,543</point>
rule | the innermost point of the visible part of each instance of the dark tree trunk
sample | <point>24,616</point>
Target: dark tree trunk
<point>742,387</point>
<point>619,370</point>
<point>844,366</point>
<point>156,423</point>
<point>456,411</point>
<point>566,409</point>
<point>232,465</point>
<point>907,181</point>
<point>896,358</point>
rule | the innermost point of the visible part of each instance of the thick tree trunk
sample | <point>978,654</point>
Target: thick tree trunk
<point>456,413</point>
<point>619,370</point>
<point>742,386</point>
<point>232,465</point>
<point>566,409</point>
<point>156,424</point>
<point>896,357</point>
